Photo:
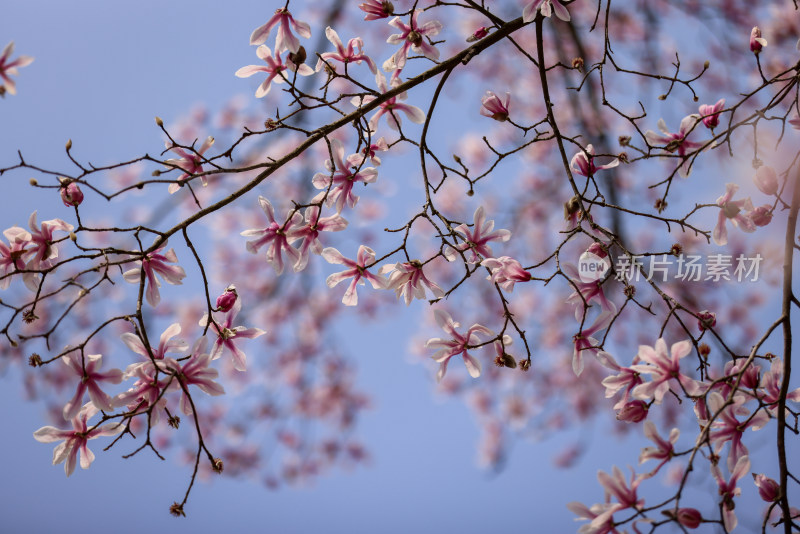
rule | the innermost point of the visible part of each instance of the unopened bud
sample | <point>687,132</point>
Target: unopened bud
<point>704,349</point>
<point>706,64</point>
<point>662,97</point>
<point>577,64</point>
<point>71,194</point>
<point>633,412</point>
<point>73,237</point>
<point>69,144</point>
<point>159,122</point>
<point>768,489</point>
<point>689,517</point>
<point>33,182</point>
<point>227,299</point>
<point>217,465</point>
<point>156,173</point>
<point>706,320</point>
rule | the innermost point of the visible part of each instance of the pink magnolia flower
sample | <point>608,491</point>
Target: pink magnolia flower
<point>664,449</point>
<point>89,372</point>
<point>390,107</point>
<point>600,517</point>
<point>279,237</point>
<point>665,371</point>
<point>309,233</point>
<point>345,55</point>
<point>624,491</point>
<point>457,345</point>
<point>728,489</point>
<point>376,9</point>
<point>165,343</point>
<point>476,239</point>
<point>771,388</point>
<point>357,270</point>
<point>9,68</point>
<point>768,489</point>
<point>342,175</point>
<point>583,164</point>
<point>677,141</point>
<point>379,145</point>
<point>44,251</point>
<point>756,41</point>
<point>275,70</point>
<point>766,180</point>
<point>156,263</point>
<point>710,114</point>
<point>633,412</point>
<point>196,371</point>
<point>506,271</point>
<point>228,335</point>
<point>12,256</point>
<point>190,163</point>
<point>286,40</point>
<point>546,7</point>
<point>148,390</point>
<point>584,343</point>
<point>732,209</point>
<point>625,378</point>
<point>76,438</point>
<point>71,194</point>
<point>409,281</point>
<point>585,293</point>
<point>226,300</point>
<point>762,215</point>
<point>412,38</point>
<point>493,107</point>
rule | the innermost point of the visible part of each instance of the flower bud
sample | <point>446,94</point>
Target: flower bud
<point>689,517</point>
<point>756,41</point>
<point>71,194</point>
<point>633,412</point>
<point>766,180</point>
<point>479,34</point>
<point>768,489</point>
<point>69,144</point>
<point>761,216</point>
<point>159,121</point>
<point>227,299</point>
<point>33,181</point>
<point>706,320</point>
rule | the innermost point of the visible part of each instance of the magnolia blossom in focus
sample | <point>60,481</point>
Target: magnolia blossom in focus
<point>275,69</point>
<point>664,369</point>
<point>412,38</point>
<point>495,108</point>
<point>476,239</point>
<point>156,263</point>
<point>190,163</point>
<point>228,335</point>
<point>505,271</point>
<point>457,345</point>
<point>409,282</point>
<point>357,270</point>
<point>350,54</point>
<point>677,142</point>
<point>286,40</point>
<point>390,107</point>
<point>583,164</point>
<point>76,438</point>
<point>71,194</point>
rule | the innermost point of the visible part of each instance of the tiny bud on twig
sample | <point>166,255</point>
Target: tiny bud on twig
<point>159,121</point>
<point>69,144</point>
<point>33,181</point>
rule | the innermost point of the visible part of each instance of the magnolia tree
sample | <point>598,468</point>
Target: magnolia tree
<point>560,174</point>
